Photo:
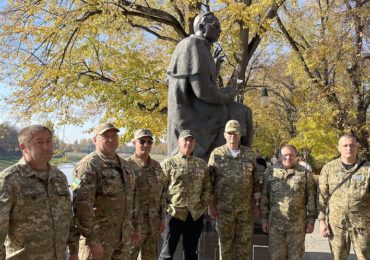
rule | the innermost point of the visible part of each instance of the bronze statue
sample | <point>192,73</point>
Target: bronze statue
<point>194,100</point>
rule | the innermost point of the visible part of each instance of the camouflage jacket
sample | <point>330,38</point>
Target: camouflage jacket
<point>149,192</point>
<point>235,179</point>
<point>288,197</point>
<point>349,205</point>
<point>35,216</point>
<point>187,185</point>
<point>102,196</point>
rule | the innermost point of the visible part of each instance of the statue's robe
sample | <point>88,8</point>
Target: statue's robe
<point>204,108</point>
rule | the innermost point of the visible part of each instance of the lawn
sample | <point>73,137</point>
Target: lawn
<point>7,159</point>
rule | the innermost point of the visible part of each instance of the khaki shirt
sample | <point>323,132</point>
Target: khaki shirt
<point>35,214</point>
<point>349,205</point>
<point>149,192</point>
<point>103,197</point>
<point>235,179</point>
<point>288,197</point>
<point>187,185</point>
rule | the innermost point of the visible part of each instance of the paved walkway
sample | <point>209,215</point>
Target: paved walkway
<point>317,247</point>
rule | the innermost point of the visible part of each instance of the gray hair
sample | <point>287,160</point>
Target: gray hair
<point>26,133</point>
<point>349,136</point>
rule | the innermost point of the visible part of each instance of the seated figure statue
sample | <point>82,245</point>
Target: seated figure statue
<point>194,100</point>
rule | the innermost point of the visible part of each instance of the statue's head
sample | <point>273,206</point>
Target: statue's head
<point>208,26</point>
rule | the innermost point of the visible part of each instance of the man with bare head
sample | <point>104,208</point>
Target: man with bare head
<point>344,201</point>
<point>35,205</point>
<point>288,206</point>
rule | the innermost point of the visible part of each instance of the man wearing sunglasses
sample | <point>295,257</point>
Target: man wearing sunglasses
<point>150,197</point>
<point>103,187</point>
<point>236,194</point>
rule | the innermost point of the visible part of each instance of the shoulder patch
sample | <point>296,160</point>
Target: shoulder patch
<point>75,183</point>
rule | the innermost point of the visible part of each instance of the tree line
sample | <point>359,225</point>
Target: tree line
<point>9,143</point>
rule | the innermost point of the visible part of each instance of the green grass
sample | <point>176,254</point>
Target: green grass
<point>8,159</point>
<point>69,157</point>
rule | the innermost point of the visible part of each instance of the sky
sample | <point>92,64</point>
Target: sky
<point>68,133</point>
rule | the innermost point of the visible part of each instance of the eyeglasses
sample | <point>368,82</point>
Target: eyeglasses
<point>148,142</point>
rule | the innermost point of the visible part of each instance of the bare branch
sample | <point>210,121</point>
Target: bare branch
<point>67,45</point>
<point>152,14</point>
<point>166,38</point>
<point>178,11</point>
<point>87,15</point>
<point>315,76</point>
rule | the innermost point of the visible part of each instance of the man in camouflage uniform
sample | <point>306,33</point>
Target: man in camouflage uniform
<point>235,184</point>
<point>344,214</point>
<point>288,206</point>
<point>188,190</point>
<point>36,219</point>
<point>103,199</point>
<point>149,191</point>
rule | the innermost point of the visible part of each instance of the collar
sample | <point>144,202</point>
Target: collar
<point>140,161</point>
<point>105,158</point>
<point>295,169</point>
<point>206,42</point>
<point>352,168</point>
<point>26,170</point>
<point>186,157</point>
<point>227,151</point>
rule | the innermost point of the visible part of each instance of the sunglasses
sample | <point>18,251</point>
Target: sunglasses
<point>148,142</point>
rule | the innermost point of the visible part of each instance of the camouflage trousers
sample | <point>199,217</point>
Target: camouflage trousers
<point>340,242</point>
<point>235,232</point>
<point>286,245</point>
<point>147,246</point>
<point>111,240</point>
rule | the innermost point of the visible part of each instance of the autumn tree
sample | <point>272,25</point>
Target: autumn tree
<point>274,124</point>
<point>8,138</point>
<point>331,63</point>
<point>72,60</point>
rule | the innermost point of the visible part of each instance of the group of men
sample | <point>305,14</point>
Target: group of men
<point>120,207</point>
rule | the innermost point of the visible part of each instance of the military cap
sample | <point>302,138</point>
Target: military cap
<point>186,133</point>
<point>100,129</point>
<point>232,126</point>
<point>143,133</point>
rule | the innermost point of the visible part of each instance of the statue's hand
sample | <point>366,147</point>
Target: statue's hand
<point>218,57</point>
